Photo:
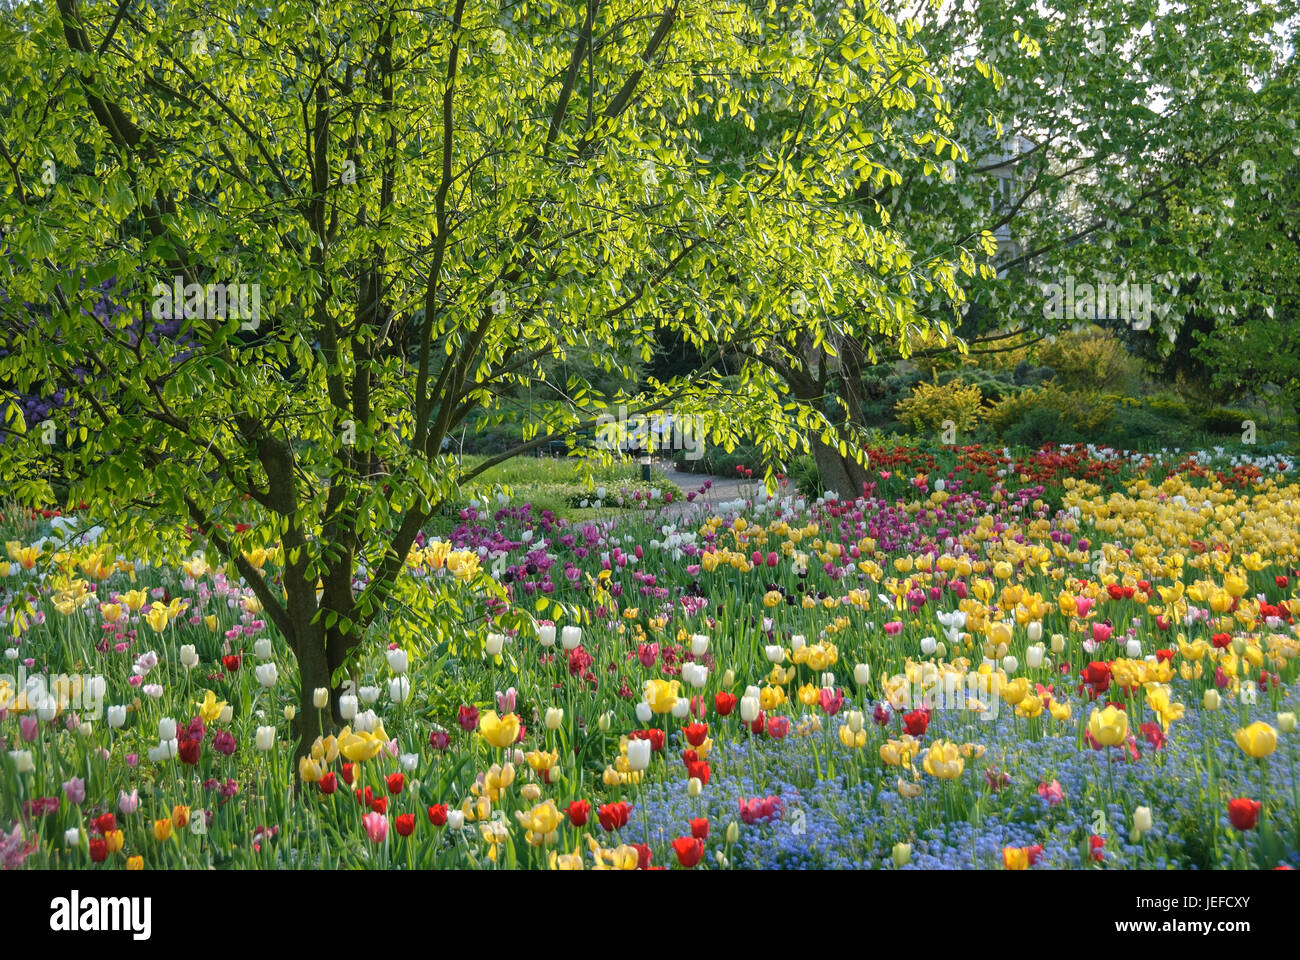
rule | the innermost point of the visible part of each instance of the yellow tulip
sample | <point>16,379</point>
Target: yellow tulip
<point>1109,727</point>
<point>357,747</point>
<point>540,823</point>
<point>162,829</point>
<point>1257,740</point>
<point>135,863</point>
<point>210,709</point>
<point>943,760</point>
<point>500,732</point>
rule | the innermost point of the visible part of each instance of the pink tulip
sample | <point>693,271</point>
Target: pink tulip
<point>1082,605</point>
<point>1101,632</point>
<point>376,826</point>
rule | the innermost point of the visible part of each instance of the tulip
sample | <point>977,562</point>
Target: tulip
<point>1142,821</point>
<point>554,718</point>
<point>75,791</point>
<point>1109,727</point>
<point>128,803</point>
<point>749,708</point>
<point>266,674</point>
<point>166,729</point>
<point>320,698</point>
<point>902,854</point>
<point>348,706</point>
<point>500,732</point>
<point>262,648</point>
<point>494,644</point>
<point>398,660</point>
<point>699,645</point>
<point>546,634</point>
<point>376,825</point>
<point>571,637</point>
<point>399,688</point>
<point>1257,740</point>
<point>368,694</point>
<point>189,656</point>
<point>1035,631</point>
<point>638,754</point>
<point>1211,700</point>
<point>23,760</point>
<point>1243,813</point>
<point>862,674</point>
<point>117,716</point>
<point>1286,722</point>
<point>643,712</point>
<point>265,739</point>
<point>1034,656</point>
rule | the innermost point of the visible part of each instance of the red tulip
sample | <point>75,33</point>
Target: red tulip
<point>696,733</point>
<point>656,737</point>
<point>579,812</point>
<point>643,856</point>
<point>689,850</point>
<point>916,721</point>
<point>348,773</point>
<point>1243,813</point>
<point>329,783</point>
<point>189,751</point>
<point>700,770</point>
<point>1097,847</point>
<point>396,782</point>
<point>724,703</point>
<point>404,824</point>
<point>105,823</point>
<point>614,815</point>
<point>231,662</point>
<point>700,828</point>
<point>98,849</point>
<point>379,805</point>
<point>438,814</point>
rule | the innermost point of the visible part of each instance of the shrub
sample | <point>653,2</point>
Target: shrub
<point>1084,414</point>
<point>930,404</point>
<point>1223,419</point>
<point>994,385</point>
<point>1092,359</point>
<point>1041,425</point>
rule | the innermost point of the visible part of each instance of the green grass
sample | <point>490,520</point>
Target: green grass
<point>560,484</point>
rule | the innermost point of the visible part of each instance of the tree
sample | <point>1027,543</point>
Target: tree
<point>1077,119</point>
<point>419,208</point>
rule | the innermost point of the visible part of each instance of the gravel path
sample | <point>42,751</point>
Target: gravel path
<point>721,490</point>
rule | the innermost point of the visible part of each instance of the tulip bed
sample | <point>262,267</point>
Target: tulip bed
<point>954,671</point>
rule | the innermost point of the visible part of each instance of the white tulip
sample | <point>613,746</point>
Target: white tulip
<point>399,688</point>
<point>398,661</point>
<point>928,646</point>
<point>1010,664</point>
<point>1035,631</point>
<point>546,634</point>
<point>554,718</point>
<point>227,712</point>
<point>1133,648</point>
<point>347,706</point>
<point>23,760</point>
<point>116,715</point>
<point>862,674</point>
<point>72,837</point>
<point>682,708</point>
<point>571,637</point>
<point>366,721</point>
<point>1034,656</point>
<point>749,709</point>
<point>494,644</point>
<point>456,819</point>
<point>262,648</point>
<point>638,754</point>
<point>643,712</point>
<point>368,694</point>
<point>320,698</point>
<point>699,644</point>
<point>266,674</point>
<point>189,656</point>
<point>166,729</point>
<point>265,738</point>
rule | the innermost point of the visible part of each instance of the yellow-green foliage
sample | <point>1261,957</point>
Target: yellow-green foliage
<point>930,404</point>
<point>1085,412</point>
<point>1091,359</point>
